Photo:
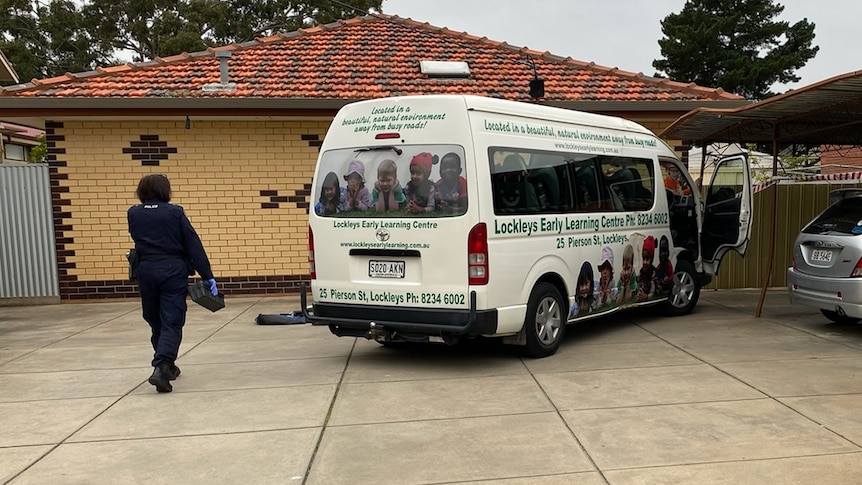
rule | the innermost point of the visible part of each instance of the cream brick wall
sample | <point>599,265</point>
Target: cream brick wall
<point>217,174</point>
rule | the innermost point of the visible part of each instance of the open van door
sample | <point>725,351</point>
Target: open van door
<point>727,212</point>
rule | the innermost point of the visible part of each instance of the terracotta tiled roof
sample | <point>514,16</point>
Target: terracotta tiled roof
<point>367,57</point>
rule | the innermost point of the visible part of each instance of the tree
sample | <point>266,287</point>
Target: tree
<point>737,45</point>
<point>45,38</point>
<point>39,153</point>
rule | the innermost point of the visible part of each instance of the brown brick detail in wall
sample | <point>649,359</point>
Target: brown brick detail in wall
<point>60,200</point>
<point>300,198</point>
<point>313,140</point>
<point>149,150</point>
<point>230,286</point>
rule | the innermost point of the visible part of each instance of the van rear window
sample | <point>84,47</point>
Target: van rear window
<point>391,181</point>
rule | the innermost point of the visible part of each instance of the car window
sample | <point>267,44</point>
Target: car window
<point>843,217</point>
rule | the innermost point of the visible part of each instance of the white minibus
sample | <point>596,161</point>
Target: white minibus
<point>444,217</point>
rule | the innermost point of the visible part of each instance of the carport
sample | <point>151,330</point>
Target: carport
<point>827,113</point>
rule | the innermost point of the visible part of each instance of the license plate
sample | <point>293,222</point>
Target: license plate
<point>821,255</point>
<point>386,269</point>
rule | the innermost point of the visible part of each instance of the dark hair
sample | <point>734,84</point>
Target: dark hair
<point>154,186</point>
<point>586,273</point>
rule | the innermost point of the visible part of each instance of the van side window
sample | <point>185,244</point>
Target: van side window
<point>591,195</point>
<point>533,181</point>
<point>630,181</point>
<point>513,194</point>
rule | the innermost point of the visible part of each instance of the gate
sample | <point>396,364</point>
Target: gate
<point>28,262</point>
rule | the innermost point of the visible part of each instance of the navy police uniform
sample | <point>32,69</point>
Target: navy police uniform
<point>170,251</point>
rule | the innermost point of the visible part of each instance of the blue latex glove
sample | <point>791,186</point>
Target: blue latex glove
<point>213,288</point>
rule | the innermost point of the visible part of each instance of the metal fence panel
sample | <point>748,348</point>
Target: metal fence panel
<point>28,262</point>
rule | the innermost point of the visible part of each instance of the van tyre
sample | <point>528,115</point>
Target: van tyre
<point>545,323</point>
<point>685,290</point>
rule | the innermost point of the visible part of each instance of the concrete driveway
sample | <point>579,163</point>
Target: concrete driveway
<point>717,397</point>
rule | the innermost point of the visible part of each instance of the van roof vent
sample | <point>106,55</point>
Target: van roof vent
<point>445,68</point>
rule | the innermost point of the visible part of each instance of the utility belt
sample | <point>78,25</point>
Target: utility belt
<point>159,257</point>
<point>156,257</point>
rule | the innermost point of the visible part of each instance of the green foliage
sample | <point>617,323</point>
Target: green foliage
<point>39,153</point>
<point>737,45</point>
<point>46,38</point>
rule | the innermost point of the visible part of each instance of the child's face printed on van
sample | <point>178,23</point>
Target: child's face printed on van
<point>386,182</point>
<point>386,177</point>
<point>450,168</point>
<point>354,181</point>
<point>607,274</point>
<point>584,288</point>
<point>329,193</point>
<point>417,175</point>
<point>647,257</point>
<point>628,264</point>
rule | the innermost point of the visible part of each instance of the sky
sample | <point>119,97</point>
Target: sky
<point>625,33</point>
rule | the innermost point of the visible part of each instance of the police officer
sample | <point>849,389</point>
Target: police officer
<point>170,251</point>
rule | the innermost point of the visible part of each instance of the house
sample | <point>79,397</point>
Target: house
<point>17,142</point>
<point>7,72</point>
<point>238,128</point>
<point>760,162</point>
<point>840,158</point>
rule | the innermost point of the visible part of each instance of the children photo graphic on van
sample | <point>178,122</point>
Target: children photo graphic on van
<point>646,276</point>
<point>356,195</point>
<point>407,181</point>
<point>585,299</point>
<point>607,292</point>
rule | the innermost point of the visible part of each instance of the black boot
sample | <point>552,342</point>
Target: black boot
<point>161,377</point>
<point>175,372</point>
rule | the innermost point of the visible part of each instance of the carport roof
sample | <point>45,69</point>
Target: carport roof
<point>825,113</point>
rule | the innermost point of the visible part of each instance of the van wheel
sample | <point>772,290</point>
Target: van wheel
<point>685,291</point>
<point>546,321</point>
<point>838,318</point>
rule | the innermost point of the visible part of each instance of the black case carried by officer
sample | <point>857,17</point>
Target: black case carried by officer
<point>202,295</point>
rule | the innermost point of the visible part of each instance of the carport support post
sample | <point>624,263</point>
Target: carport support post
<point>767,276</point>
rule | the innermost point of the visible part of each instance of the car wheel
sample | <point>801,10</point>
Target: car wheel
<point>685,291</point>
<point>837,318</point>
<point>546,321</point>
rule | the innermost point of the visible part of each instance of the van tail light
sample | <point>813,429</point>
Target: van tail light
<point>311,267</point>
<point>793,263</point>
<point>857,271</point>
<point>477,255</point>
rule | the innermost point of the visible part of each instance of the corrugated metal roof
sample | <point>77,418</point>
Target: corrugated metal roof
<point>827,112</point>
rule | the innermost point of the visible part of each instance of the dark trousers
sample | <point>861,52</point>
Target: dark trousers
<point>164,284</point>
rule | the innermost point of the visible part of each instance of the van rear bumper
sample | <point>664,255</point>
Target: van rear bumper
<point>369,320</point>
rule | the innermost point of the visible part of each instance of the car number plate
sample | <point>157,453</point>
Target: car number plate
<point>821,255</point>
<point>386,269</point>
